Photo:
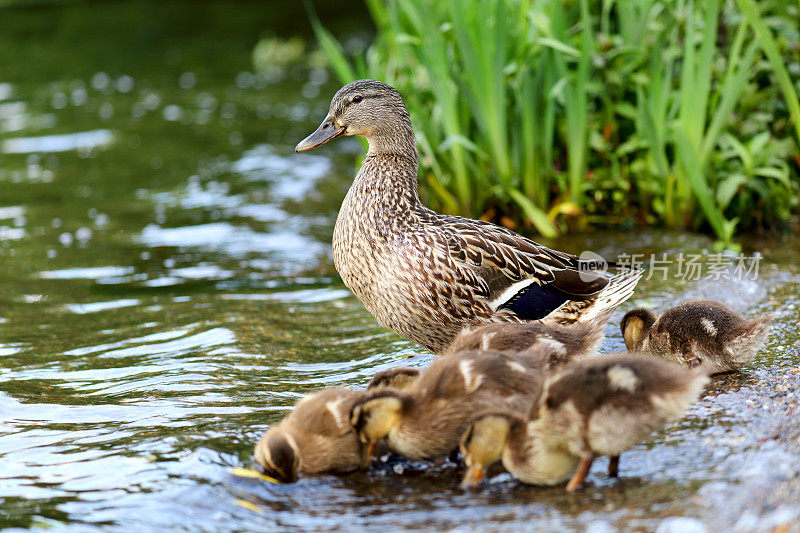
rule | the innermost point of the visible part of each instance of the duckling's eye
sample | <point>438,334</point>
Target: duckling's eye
<point>357,99</point>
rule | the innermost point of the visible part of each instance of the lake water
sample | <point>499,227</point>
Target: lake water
<point>167,292</point>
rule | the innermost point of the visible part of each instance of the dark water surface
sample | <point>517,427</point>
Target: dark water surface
<point>167,292</point>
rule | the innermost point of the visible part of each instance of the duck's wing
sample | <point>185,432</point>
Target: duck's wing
<point>525,279</point>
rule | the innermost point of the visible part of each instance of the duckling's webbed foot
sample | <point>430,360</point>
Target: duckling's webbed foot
<point>613,466</point>
<point>580,475</point>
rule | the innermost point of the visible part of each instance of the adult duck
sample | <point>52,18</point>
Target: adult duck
<point>426,275</point>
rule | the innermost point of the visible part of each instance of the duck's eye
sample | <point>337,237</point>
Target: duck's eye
<point>357,99</point>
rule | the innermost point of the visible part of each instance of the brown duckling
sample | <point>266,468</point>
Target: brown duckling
<point>597,406</point>
<point>426,420</point>
<point>401,378</point>
<point>563,343</point>
<point>315,437</point>
<point>698,332</point>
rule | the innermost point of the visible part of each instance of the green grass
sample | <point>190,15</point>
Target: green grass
<point>566,114</point>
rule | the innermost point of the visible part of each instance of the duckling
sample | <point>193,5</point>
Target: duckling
<point>426,275</point>
<point>698,332</point>
<point>401,378</point>
<point>597,406</point>
<point>426,420</point>
<point>563,343</point>
<point>315,437</point>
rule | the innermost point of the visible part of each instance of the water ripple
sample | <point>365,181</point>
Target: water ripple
<point>58,143</point>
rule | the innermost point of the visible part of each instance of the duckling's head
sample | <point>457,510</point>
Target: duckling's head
<point>277,452</point>
<point>368,108</point>
<point>635,326</point>
<point>374,416</point>
<point>482,444</point>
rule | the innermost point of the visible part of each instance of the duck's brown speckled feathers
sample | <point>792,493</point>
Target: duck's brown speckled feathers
<point>426,420</point>
<point>427,275</point>
<point>315,437</point>
<point>698,332</point>
<point>562,343</point>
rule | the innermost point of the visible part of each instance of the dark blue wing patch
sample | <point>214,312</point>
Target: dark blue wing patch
<point>536,301</point>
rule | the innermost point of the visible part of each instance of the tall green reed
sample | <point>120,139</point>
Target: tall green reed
<point>566,112</point>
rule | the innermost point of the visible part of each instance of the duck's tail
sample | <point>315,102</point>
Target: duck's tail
<point>591,332</point>
<point>618,289</point>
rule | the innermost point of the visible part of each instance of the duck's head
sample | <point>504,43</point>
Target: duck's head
<point>483,442</point>
<point>277,452</point>
<point>368,108</point>
<point>374,416</point>
<point>635,326</point>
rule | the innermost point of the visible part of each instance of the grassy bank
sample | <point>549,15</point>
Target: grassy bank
<point>564,114</point>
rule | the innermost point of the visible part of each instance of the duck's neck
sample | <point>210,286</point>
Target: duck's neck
<point>390,168</point>
<point>396,139</point>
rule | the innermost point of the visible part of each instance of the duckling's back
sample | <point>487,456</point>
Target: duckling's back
<point>613,402</point>
<point>321,430</point>
<point>720,338</point>
<point>456,387</point>
<point>483,375</point>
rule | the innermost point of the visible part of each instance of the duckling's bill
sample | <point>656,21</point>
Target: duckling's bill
<point>246,472</point>
<point>368,454</point>
<point>327,130</point>
<point>473,476</point>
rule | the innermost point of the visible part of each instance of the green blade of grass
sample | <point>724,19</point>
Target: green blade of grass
<point>691,167</point>
<point>770,48</point>
<point>538,217</point>
<point>333,50</point>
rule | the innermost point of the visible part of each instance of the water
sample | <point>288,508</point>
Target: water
<point>167,293</point>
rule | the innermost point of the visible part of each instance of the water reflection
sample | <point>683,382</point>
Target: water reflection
<point>167,292</point>
<point>58,143</point>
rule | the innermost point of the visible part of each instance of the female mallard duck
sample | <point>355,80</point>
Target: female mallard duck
<point>315,437</point>
<point>427,275</point>
<point>426,420</point>
<point>598,406</point>
<point>698,332</point>
<point>563,344</point>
